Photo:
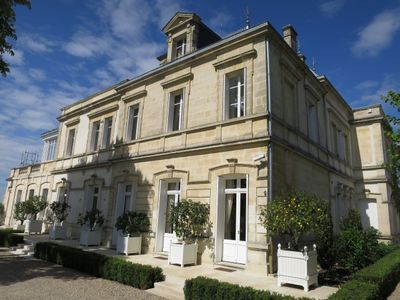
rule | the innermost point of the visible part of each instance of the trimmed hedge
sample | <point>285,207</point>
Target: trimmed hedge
<point>202,288</point>
<point>8,238</point>
<point>377,281</point>
<point>385,273</point>
<point>112,268</point>
<point>355,289</point>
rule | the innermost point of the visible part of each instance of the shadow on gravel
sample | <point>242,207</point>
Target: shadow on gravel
<point>15,269</point>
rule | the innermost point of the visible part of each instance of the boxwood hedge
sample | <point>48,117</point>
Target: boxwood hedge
<point>9,238</point>
<point>202,288</point>
<point>136,275</point>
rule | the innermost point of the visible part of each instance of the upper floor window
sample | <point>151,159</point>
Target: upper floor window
<point>94,143</point>
<point>175,111</point>
<point>45,194</point>
<point>133,118</point>
<point>107,132</point>
<point>31,193</point>
<point>19,196</point>
<point>180,47</point>
<point>312,122</point>
<point>340,142</point>
<point>70,142</point>
<point>235,95</point>
<point>49,149</point>
<point>289,102</point>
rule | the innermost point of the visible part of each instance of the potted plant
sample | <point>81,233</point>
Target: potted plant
<point>130,226</point>
<point>60,212</point>
<point>291,216</point>
<point>19,215</point>
<point>33,206</point>
<point>91,222</point>
<point>189,220</point>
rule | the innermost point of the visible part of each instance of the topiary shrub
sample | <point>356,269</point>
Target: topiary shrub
<point>92,219</point>
<point>356,248</point>
<point>295,214</point>
<point>60,211</point>
<point>20,212</point>
<point>9,238</point>
<point>355,289</point>
<point>133,223</point>
<point>34,205</point>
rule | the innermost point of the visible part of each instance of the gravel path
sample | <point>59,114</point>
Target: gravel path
<point>32,279</point>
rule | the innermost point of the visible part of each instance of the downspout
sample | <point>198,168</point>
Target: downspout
<point>269,111</point>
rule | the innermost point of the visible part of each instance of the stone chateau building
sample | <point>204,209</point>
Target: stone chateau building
<point>229,121</point>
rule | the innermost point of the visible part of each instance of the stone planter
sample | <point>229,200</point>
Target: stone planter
<point>128,245</point>
<point>19,227</point>
<point>57,232</point>
<point>297,267</point>
<point>182,254</point>
<point>90,238</point>
<point>33,226</point>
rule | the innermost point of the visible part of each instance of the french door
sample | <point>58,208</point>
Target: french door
<point>123,204</point>
<point>172,198</point>
<point>235,227</point>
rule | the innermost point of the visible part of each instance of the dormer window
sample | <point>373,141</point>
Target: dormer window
<point>180,47</point>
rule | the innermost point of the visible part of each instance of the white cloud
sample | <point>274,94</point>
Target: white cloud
<point>166,9</point>
<point>220,23</point>
<point>331,8</point>
<point>36,43</point>
<point>366,85</point>
<point>378,34</point>
<point>85,44</point>
<point>17,59</point>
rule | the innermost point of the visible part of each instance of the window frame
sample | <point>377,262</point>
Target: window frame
<point>107,132</point>
<point>130,128</point>
<point>227,101</point>
<point>70,145</point>
<point>182,47</point>
<point>171,110</point>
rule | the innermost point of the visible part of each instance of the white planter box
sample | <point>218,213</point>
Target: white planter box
<point>128,245</point>
<point>19,227</point>
<point>33,226</point>
<point>57,232</point>
<point>90,238</point>
<point>297,267</point>
<point>182,254</point>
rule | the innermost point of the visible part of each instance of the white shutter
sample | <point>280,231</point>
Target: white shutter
<point>162,206</point>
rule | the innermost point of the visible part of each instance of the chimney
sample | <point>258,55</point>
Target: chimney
<point>290,36</point>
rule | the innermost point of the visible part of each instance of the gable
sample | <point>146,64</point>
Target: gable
<point>177,20</point>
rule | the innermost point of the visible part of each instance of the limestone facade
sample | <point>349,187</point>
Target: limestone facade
<point>245,107</point>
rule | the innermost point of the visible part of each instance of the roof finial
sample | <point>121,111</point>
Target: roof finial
<point>314,64</point>
<point>247,17</point>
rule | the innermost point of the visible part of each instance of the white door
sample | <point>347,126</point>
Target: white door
<point>122,204</point>
<point>172,198</point>
<point>235,225</point>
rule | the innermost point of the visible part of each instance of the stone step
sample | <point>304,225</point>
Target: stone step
<point>168,290</point>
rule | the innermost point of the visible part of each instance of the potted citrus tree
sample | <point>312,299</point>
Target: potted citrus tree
<point>190,221</point>
<point>91,223</point>
<point>33,206</point>
<point>60,212</point>
<point>19,215</point>
<point>130,226</point>
<point>291,216</point>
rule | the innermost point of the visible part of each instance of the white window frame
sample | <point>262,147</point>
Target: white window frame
<point>94,144</point>
<point>131,128</point>
<point>171,115</point>
<point>107,132</point>
<point>180,51</point>
<point>240,86</point>
<point>70,142</point>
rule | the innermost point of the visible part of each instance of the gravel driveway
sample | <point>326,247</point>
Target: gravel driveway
<point>31,279</point>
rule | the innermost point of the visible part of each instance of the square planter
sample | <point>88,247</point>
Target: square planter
<point>127,245</point>
<point>19,227</point>
<point>33,226</point>
<point>297,267</point>
<point>57,232</point>
<point>90,238</point>
<point>182,254</point>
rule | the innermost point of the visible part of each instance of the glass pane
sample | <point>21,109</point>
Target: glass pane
<point>127,203</point>
<point>241,101</point>
<point>128,188</point>
<point>242,217</point>
<point>94,205</point>
<point>45,193</point>
<point>230,217</point>
<point>243,183</point>
<point>170,205</point>
<point>177,112</point>
<point>96,190</point>
<point>231,184</point>
<point>173,186</point>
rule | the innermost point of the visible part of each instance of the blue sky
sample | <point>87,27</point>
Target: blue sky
<point>68,49</point>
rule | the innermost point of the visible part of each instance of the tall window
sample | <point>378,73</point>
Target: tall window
<point>175,111</point>
<point>95,197</point>
<point>19,196</point>
<point>235,95</point>
<point>62,194</point>
<point>127,197</point>
<point>92,198</point>
<point>94,144</point>
<point>289,103</point>
<point>31,193</point>
<point>45,194</point>
<point>180,47</point>
<point>133,122</point>
<point>173,197</point>
<point>342,141</point>
<point>312,122</point>
<point>107,132</point>
<point>70,142</point>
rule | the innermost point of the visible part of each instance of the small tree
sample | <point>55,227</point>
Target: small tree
<point>190,220</point>
<point>34,205</point>
<point>133,223</point>
<point>20,212</point>
<point>93,219</point>
<point>294,214</point>
<point>60,211</point>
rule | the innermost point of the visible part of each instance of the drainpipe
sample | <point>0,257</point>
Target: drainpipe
<point>269,111</point>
